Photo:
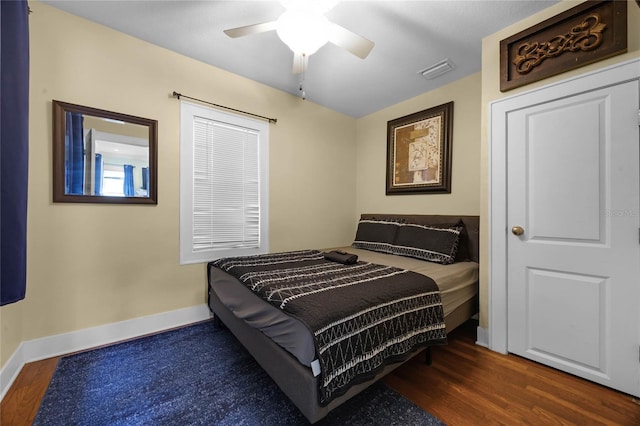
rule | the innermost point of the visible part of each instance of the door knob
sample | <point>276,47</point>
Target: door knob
<point>517,230</point>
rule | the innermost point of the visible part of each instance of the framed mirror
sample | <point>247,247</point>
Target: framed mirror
<point>103,156</point>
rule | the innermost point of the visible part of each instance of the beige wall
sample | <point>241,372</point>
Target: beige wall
<point>90,265</point>
<point>491,92</point>
<point>371,155</point>
<point>97,264</point>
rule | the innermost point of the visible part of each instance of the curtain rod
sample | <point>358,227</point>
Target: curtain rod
<point>271,120</point>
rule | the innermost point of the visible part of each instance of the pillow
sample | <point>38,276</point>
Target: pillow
<point>375,235</point>
<point>430,243</point>
<point>463,254</point>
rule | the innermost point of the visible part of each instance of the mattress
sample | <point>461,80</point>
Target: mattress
<point>457,282</point>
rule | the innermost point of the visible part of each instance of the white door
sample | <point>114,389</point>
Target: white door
<point>573,274</point>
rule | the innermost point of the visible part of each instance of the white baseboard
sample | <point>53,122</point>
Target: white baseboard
<point>60,344</point>
<point>482,337</point>
<point>10,371</point>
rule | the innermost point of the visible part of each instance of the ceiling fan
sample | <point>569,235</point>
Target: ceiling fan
<point>304,27</point>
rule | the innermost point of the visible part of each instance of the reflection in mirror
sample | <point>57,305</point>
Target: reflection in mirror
<point>103,157</point>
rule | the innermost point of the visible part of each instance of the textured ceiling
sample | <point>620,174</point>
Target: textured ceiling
<point>409,36</point>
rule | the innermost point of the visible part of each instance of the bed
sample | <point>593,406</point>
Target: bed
<point>284,348</point>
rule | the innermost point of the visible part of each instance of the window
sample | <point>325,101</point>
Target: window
<point>113,180</point>
<point>223,185</point>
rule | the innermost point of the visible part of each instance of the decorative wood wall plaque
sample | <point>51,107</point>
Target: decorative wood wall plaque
<point>587,33</point>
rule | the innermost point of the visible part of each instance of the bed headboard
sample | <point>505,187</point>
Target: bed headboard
<point>471,223</point>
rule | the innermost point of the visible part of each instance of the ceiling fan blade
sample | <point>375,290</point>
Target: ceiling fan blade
<point>350,41</point>
<point>300,63</point>
<point>251,29</point>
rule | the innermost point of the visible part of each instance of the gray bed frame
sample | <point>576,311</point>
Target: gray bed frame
<point>296,380</point>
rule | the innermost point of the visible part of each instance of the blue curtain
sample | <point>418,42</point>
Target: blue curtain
<point>99,167</point>
<point>14,148</point>
<point>74,157</point>
<point>129,190</point>
<point>145,178</point>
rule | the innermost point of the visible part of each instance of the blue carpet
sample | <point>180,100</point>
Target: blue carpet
<point>197,375</point>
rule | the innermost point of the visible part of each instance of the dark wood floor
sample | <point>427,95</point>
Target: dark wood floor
<point>471,385</point>
<point>466,385</point>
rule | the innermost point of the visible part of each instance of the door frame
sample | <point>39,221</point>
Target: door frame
<point>498,233</point>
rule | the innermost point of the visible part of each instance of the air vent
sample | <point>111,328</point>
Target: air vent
<point>437,69</point>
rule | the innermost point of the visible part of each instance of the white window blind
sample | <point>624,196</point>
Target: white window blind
<point>223,190</point>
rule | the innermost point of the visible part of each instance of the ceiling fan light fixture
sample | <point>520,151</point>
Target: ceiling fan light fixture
<point>303,31</point>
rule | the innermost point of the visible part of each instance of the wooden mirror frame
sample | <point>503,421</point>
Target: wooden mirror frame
<point>60,110</point>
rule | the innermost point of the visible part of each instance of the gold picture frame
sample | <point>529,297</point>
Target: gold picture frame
<point>419,152</point>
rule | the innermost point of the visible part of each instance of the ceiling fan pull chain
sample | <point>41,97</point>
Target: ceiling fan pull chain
<point>303,95</point>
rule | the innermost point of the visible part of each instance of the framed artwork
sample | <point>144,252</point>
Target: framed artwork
<point>584,34</point>
<point>419,152</point>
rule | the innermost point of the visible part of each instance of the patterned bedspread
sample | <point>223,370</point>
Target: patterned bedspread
<point>362,316</point>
